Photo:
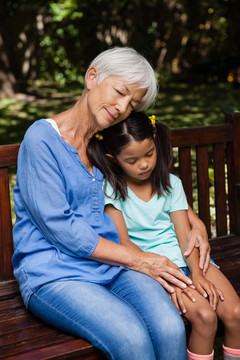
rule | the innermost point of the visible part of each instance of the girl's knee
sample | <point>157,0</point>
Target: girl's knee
<point>205,320</point>
<point>231,317</point>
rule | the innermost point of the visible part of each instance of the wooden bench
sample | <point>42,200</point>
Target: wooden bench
<point>209,156</point>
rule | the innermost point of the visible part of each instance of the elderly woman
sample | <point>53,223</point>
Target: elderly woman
<point>72,271</point>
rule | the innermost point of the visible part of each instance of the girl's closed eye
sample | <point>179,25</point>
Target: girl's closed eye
<point>130,161</point>
<point>150,153</point>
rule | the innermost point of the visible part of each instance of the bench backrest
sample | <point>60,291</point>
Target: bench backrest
<point>8,158</point>
<point>208,155</point>
<point>209,158</point>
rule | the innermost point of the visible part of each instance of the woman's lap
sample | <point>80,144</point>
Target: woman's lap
<point>124,318</point>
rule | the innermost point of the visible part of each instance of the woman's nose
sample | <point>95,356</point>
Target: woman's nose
<point>122,105</point>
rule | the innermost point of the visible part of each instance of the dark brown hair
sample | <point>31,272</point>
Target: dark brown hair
<point>137,127</point>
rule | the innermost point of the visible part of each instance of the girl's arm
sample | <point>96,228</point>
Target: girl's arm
<point>131,256</point>
<point>118,219</point>
<point>203,286</point>
<point>198,238</point>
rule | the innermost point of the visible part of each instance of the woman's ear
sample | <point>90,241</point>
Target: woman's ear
<point>91,77</point>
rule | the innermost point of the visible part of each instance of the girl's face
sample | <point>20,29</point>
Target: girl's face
<point>138,159</point>
<point>112,100</point>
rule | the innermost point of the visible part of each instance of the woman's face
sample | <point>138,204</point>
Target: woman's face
<point>112,100</point>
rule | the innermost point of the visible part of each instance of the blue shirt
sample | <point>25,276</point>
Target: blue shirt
<point>60,214</point>
<point>149,224</point>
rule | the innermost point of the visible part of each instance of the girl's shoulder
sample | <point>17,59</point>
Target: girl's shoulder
<point>174,180</point>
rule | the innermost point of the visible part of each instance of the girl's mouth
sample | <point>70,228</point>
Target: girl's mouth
<point>146,173</point>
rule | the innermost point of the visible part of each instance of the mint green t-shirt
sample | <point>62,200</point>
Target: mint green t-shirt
<point>149,224</point>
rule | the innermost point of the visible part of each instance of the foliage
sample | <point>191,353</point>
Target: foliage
<point>56,40</point>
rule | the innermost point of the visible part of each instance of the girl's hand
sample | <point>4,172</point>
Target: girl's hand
<point>162,270</point>
<point>198,238</point>
<point>207,289</point>
<point>178,301</point>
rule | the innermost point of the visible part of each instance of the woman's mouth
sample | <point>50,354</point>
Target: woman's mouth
<point>110,115</point>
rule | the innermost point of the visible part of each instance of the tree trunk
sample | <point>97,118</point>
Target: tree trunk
<point>8,83</point>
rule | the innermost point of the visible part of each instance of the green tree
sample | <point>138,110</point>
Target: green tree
<point>56,40</point>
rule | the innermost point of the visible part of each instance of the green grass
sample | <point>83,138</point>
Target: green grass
<point>190,104</point>
<point>179,104</point>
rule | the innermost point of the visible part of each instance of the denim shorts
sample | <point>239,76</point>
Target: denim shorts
<point>186,271</point>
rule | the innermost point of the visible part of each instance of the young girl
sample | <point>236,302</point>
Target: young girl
<point>148,206</point>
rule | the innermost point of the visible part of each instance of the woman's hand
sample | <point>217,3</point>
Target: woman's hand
<point>207,289</point>
<point>198,238</point>
<point>162,270</point>
<point>178,301</point>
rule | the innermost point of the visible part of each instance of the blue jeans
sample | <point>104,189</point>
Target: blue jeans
<point>130,318</point>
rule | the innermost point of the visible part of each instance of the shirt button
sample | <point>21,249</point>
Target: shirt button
<point>95,191</point>
<point>93,179</point>
<point>95,203</point>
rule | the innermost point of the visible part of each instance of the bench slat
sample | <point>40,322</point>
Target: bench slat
<point>6,241</point>
<point>8,155</point>
<point>234,120</point>
<point>185,172</point>
<point>76,349</point>
<point>220,190</point>
<point>203,186</point>
<point>201,135</point>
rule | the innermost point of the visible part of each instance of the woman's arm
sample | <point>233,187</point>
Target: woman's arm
<point>158,267</point>
<point>182,228</point>
<point>198,238</point>
<point>129,255</point>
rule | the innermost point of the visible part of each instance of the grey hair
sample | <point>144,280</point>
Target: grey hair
<point>131,67</point>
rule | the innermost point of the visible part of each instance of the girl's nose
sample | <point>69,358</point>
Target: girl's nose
<point>143,165</point>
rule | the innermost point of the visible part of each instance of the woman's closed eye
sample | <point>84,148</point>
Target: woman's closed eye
<point>119,92</point>
<point>122,94</point>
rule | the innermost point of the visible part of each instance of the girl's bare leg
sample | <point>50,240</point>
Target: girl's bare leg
<point>229,309</point>
<point>203,320</point>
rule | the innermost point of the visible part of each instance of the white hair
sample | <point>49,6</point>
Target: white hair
<point>131,67</point>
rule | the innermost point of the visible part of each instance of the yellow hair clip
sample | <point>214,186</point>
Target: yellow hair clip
<point>99,137</point>
<point>153,120</point>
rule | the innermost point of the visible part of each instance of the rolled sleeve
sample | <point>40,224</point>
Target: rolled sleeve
<point>44,192</point>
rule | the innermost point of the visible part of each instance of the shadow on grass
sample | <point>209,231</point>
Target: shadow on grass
<point>190,104</point>
<point>178,105</point>
<point>16,115</point>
